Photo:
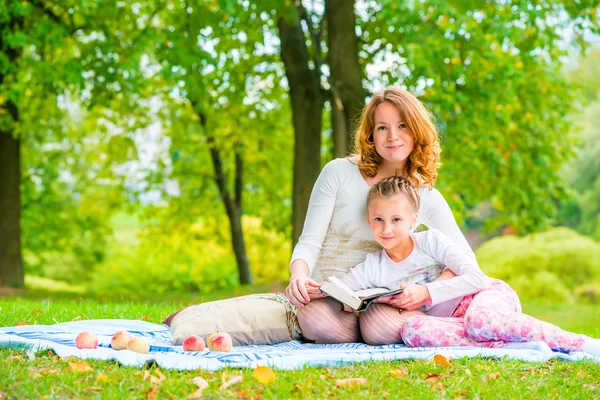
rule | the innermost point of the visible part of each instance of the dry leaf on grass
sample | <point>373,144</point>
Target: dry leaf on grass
<point>202,384</point>
<point>231,382</point>
<point>77,318</point>
<point>591,387</point>
<point>153,379</point>
<point>20,323</point>
<point>441,360</point>
<point>152,393</point>
<point>144,318</point>
<point>434,377</point>
<point>80,366</point>
<point>351,382</point>
<point>493,376</point>
<point>264,374</point>
<point>50,372</point>
<point>102,378</point>
<point>398,373</point>
<point>160,375</point>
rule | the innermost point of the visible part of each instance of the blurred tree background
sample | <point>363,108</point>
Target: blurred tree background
<point>165,147</point>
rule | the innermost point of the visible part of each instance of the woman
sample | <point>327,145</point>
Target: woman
<point>396,136</point>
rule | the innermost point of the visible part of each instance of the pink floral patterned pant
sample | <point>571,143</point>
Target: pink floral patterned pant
<point>490,318</point>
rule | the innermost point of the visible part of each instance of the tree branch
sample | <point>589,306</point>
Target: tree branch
<point>239,175</point>
<point>315,35</point>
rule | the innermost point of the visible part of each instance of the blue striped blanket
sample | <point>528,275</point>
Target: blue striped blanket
<point>290,355</point>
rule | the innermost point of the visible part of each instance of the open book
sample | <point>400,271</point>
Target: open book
<point>357,300</point>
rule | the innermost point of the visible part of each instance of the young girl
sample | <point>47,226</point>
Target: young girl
<point>412,260</point>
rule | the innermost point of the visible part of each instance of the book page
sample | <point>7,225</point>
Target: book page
<point>341,285</point>
<point>371,291</point>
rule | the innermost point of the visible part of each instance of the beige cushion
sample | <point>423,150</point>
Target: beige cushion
<point>252,319</point>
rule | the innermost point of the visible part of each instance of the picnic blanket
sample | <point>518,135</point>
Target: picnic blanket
<point>289,355</point>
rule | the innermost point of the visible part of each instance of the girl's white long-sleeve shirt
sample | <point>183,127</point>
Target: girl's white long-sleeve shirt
<point>432,253</point>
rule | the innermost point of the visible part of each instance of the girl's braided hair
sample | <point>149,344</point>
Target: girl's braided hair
<point>393,186</point>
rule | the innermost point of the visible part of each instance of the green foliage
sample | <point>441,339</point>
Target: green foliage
<point>491,74</point>
<point>582,212</point>
<point>588,294</point>
<point>548,265</point>
<point>66,74</point>
<point>177,257</point>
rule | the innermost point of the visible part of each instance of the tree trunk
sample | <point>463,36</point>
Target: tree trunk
<point>233,207</point>
<point>346,73</point>
<point>11,263</point>
<point>307,101</point>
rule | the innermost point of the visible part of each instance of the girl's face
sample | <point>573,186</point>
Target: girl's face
<point>391,220</point>
<point>393,141</point>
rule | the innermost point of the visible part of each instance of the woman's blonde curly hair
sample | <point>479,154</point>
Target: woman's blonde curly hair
<point>423,162</point>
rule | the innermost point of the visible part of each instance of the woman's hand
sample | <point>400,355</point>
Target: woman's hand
<point>413,297</point>
<point>302,289</point>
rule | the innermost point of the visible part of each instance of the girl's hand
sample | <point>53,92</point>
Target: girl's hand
<point>297,291</point>
<point>413,297</point>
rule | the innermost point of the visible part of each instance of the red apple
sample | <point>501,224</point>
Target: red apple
<point>220,341</point>
<point>120,339</point>
<point>194,343</point>
<point>139,345</point>
<point>86,340</point>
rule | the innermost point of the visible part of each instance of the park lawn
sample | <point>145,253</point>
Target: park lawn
<point>50,377</point>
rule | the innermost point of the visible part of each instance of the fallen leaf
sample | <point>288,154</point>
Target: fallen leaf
<point>231,382</point>
<point>264,374</point>
<point>50,372</point>
<point>441,360</point>
<point>591,387</point>
<point>154,380</point>
<point>144,318</point>
<point>20,323</point>
<point>98,388</point>
<point>494,375</point>
<point>202,384</point>
<point>80,366</point>
<point>151,393</point>
<point>77,318</point>
<point>37,311</point>
<point>351,382</point>
<point>161,376</point>
<point>398,373</point>
<point>434,377</point>
<point>102,378</point>
<point>146,374</point>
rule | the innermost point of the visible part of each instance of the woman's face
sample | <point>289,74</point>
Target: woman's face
<point>393,141</point>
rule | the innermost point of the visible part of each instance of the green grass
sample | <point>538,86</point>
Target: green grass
<point>50,377</point>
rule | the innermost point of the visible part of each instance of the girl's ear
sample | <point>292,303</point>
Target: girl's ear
<point>413,220</point>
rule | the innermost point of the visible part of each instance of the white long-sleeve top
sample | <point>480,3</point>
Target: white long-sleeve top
<point>432,253</point>
<point>336,234</point>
